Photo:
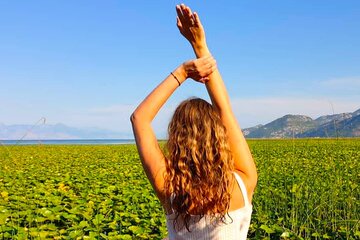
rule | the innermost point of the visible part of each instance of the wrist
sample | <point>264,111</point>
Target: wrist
<point>201,50</point>
<point>180,73</point>
<point>198,44</point>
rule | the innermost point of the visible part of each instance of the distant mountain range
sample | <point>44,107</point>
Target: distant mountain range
<point>300,126</point>
<point>288,126</point>
<point>57,131</point>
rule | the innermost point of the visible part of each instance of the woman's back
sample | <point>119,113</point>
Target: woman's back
<point>236,224</point>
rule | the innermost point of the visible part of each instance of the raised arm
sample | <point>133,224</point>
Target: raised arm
<point>191,28</point>
<point>151,156</point>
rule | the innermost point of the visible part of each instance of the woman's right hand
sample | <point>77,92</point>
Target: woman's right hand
<point>200,69</point>
<point>190,26</point>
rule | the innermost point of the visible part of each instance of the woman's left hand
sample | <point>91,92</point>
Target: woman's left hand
<point>200,69</point>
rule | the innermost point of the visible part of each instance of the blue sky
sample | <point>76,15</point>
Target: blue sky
<point>90,63</point>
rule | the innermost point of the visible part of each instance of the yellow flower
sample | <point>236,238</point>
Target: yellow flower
<point>63,187</point>
<point>4,194</point>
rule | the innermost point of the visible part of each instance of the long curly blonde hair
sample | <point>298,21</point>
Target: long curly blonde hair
<point>199,164</point>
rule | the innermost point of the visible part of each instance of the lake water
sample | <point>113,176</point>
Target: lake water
<point>69,142</point>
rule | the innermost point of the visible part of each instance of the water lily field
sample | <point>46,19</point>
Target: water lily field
<point>307,189</point>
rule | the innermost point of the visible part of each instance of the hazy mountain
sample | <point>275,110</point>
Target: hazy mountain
<point>348,127</point>
<point>288,126</point>
<point>247,131</point>
<point>57,131</point>
<point>356,113</point>
<point>284,127</point>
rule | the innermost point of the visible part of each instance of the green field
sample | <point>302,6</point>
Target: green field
<point>307,189</point>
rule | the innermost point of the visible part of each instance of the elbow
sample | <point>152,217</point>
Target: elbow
<point>139,118</point>
<point>134,118</point>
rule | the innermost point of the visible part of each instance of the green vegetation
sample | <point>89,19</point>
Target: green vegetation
<point>307,189</point>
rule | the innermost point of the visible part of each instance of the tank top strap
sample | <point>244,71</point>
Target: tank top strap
<point>242,188</point>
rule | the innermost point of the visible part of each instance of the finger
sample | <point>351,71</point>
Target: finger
<point>180,14</point>
<point>190,16</point>
<point>187,14</point>
<point>206,61</point>
<point>210,59</point>
<point>188,10</point>
<point>201,81</point>
<point>210,66</point>
<point>205,79</point>
<point>207,64</point>
<point>196,19</point>
<point>202,65</point>
<point>209,70</point>
<point>212,62</point>
<point>213,69</point>
<point>178,22</point>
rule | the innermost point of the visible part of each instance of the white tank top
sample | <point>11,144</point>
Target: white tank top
<point>236,227</point>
